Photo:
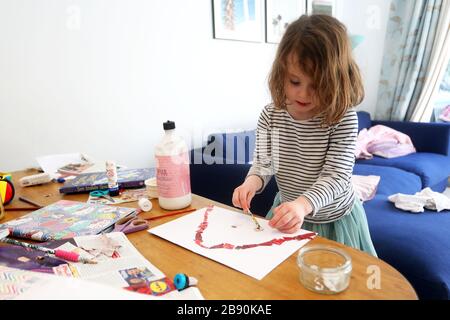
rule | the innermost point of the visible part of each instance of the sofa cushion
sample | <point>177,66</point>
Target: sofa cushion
<point>418,245</point>
<point>217,182</point>
<point>364,121</point>
<point>433,169</point>
<point>392,180</point>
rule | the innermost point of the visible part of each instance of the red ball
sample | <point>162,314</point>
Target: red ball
<point>6,191</point>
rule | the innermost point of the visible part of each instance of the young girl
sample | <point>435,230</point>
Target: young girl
<point>307,137</point>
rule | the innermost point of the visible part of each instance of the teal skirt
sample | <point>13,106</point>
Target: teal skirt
<point>351,230</point>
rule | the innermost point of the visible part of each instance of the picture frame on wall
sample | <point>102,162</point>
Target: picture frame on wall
<point>328,7</point>
<point>240,20</point>
<point>279,14</point>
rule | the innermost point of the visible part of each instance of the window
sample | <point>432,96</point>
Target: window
<point>442,105</point>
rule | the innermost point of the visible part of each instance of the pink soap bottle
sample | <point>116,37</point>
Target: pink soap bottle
<point>172,170</point>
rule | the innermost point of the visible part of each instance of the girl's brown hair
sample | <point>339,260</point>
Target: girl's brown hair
<point>321,47</point>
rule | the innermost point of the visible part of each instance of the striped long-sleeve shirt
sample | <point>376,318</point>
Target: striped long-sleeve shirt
<point>309,159</point>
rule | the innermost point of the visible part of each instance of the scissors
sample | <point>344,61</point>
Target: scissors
<point>102,194</point>
<point>130,224</point>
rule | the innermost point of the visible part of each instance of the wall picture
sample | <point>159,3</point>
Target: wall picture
<point>238,20</point>
<point>327,7</point>
<point>279,13</point>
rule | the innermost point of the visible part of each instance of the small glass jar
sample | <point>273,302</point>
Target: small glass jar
<point>324,269</point>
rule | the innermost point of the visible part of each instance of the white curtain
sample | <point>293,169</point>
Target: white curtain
<point>440,56</point>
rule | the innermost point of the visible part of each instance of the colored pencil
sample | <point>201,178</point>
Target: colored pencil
<point>2,209</point>
<point>171,214</point>
<point>66,255</point>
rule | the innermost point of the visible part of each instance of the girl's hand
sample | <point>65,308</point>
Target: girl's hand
<point>288,217</point>
<point>243,195</point>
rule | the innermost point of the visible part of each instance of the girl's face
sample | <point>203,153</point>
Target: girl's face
<point>300,93</point>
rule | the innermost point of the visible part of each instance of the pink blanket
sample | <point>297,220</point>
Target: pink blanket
<point>365,186</point>
<point>384,142</point>
<point>445,115</point>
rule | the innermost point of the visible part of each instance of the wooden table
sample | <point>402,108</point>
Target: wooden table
<point>217,281</point>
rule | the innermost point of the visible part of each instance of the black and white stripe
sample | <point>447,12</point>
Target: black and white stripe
<point>308,159</point>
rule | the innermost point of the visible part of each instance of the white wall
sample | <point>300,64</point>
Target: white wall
<point>100,76</point>
<point>368,18</point>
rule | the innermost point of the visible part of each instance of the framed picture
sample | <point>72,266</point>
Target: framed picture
<point>279,13</point>
<point>328,7</point>
<point>238,20</point>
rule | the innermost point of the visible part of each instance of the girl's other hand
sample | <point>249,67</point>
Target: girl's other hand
<point>243,195</point>
<point>288,217</point>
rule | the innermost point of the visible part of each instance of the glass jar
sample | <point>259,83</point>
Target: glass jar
<point>324,269</point>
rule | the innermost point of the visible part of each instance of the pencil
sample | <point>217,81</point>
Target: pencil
<point>21,209</point>
<point>171,214</point>
<point>67,255</point>
<point>2,209</point>
<point>26,200</point>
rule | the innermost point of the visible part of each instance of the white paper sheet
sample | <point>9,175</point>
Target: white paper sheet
<point>226,226</point>
<point>51,163</point>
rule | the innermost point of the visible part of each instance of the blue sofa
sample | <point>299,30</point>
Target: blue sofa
<point>417,245</point>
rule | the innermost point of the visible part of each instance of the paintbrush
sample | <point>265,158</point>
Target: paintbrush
<point>169,214</point>
<point>258,226</point>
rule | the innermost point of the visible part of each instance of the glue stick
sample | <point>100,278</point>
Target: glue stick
<point>111,174</point>
<point>145,204</point>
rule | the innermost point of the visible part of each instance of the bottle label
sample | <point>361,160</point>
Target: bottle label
<point>172,174</point>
